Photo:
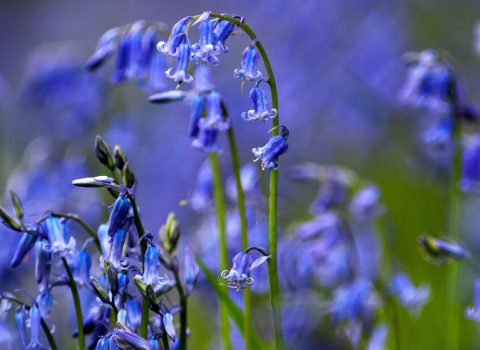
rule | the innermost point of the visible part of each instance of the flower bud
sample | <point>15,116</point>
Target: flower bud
<point>104,153</point>
<point>112,280</point>
<point>120,158</point>
<point>24,246</point>
<point>170,233</point>
<point>99,291</point>
<point>17,205</point>
<point>128,176</point>
<point>10,221</point>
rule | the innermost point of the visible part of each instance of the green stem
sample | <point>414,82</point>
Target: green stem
<point>78,306</point>
<point>223,250</point>
<point>183,313</point>
<point>166,345</point>
<point>113,315</point>
<point>143,248</point>
<point>76,218</point>
<point>272,218</point>
<point>247,293</point>
<point>454,216</point>
<point>46,330</point>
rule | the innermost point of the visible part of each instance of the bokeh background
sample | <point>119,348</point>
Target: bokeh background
<point>339,69</point>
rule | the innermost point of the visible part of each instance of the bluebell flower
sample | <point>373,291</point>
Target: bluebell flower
<point>43,260</point>
<point>202,196</point>
<point>119,215</point>
<point>57,233</point>
<point>20,322</point>
<point>207,141</point>
<point>439,138</point>
<point>326,222</point>
<point>167,319</point>
<point>430,82</point>
<point>276,146</point>
<point>441,251</point>
<point>409,296</point>
<point>35,321</point>
<point>116,252</point>
<point>27,242</point>
<point>203,79</point>
<point>152,266</point>
<point>122,60</point>
<point>191,271</point>
<point>196,113</point>
<point>470,180</point>
<point>176,37</point>
<point>365,204</point>
<point>182,55</point>
<point>205,51</point>
<point>473,312</point>
<point>250,58</point>
<point>223,30</point>
<point>239,275</point>
<point>129,340</point>
<point>103,344</point>
<point>105,47</point>
<point>104,239</point>
<point>332,192</point>
<point>378,337</point>
<point>123,281</point>
<point>156,75</point>
<point>135,52</point>
<point>259,107</point>
<point>44,301</point>
<point>82,270</point>
<point>155,344</point>
<point>134,311</point>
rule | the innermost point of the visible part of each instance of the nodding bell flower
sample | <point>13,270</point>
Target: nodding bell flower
<point>198,106</point>
<point>43,260</point>
<point>135,57</point>
<point>168,325</point>
<point>191,271</point>
<point>182,55</point>
<point>259,107</point>
<point>117,247</point>
<point>203,79</point>
<point>44,301</point>
<point>152,265</point>
<point>470,180</point>
<point>204,51</point>
<point>175,38</point>
<point>20,322</point>
<point>409,296</point>
<point>365,204</point>
<point>202,196</point>
<point>103,344</point>
<point>82,270</point>
<point>102,234</point>
<point>119,215</point>
<point>249,63</point>
<point>57,234</point>
<point>122,60</point>
<point>105,48</point>
<point>473,312</point>
<point>223,30</point>
<point>276,146</point>
<point>129,340</point>
<point>26,244</point>
<point>243,264</point>
<point>441,251</point>
<point>35,321</point>
<point>430,82</point>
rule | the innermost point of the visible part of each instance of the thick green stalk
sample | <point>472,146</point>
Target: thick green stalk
<point>247,293</point>
<point>183,313</point>
<point>454,215</point>
<point>143,248</point>
<point>222,243</point>
<point>272,212</point>
<point>76,303</point>
<point>166,344</point>
<point>46,330</point>
<point>87,228</point>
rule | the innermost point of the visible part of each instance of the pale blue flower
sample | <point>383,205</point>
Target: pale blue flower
<point>259,107</point>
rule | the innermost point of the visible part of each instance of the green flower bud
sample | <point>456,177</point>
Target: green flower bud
<point>128,177</point>
<point>17,205</point>
<point>112,280</point>
<point>10,221</point>
<point>120,159</point>
<point>99,291</point>
<point>104,153</point>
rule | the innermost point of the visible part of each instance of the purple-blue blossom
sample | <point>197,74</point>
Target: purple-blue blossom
<point>249,63</point>
<point>259,107</point>
<point>182,55</point>
<point>175,38</point>
<point>205,51</point>
<point>152,267</point>
<point>275,147</point>
<point>473,312</point>
<point>409,296</point>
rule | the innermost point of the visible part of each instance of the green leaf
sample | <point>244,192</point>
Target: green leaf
<point>234,311</point>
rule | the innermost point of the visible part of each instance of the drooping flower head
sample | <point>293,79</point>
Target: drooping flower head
<point>119,215</point>
<point>470,180</point>
<point>223,30</point>
<point>122,60</point>
<point>250,58</point>
<point>365,204</point>
<point>152,267</point>
<point>191,270</point>
<point>57,233</point>
<point>35,320</point>
<point>105,48</point>
<point>27,242</point>
<point>276,146</point>
<point>43,260</point>
<point>202,196</point>
<point>259,107</point>
<point>239,275</point>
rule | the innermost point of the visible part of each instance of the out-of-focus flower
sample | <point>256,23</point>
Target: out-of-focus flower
<point>365,204</point>
<point>191,271</point>
<point>409,296</point>
<point>430,82</point>
<point>175,38</point>
<point>470,180</point>
<point>441,251</point>
<point>439,138</point>
<point>248,177</point>
<point>275,147</point>
<point>259,107</point>
<point>473,312</point>
<point>35,320</point>
<point>20,322</point>
<point>378,337</point>
<point>129,340</point>
<point>44,301</point>
<point>202,196</point>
